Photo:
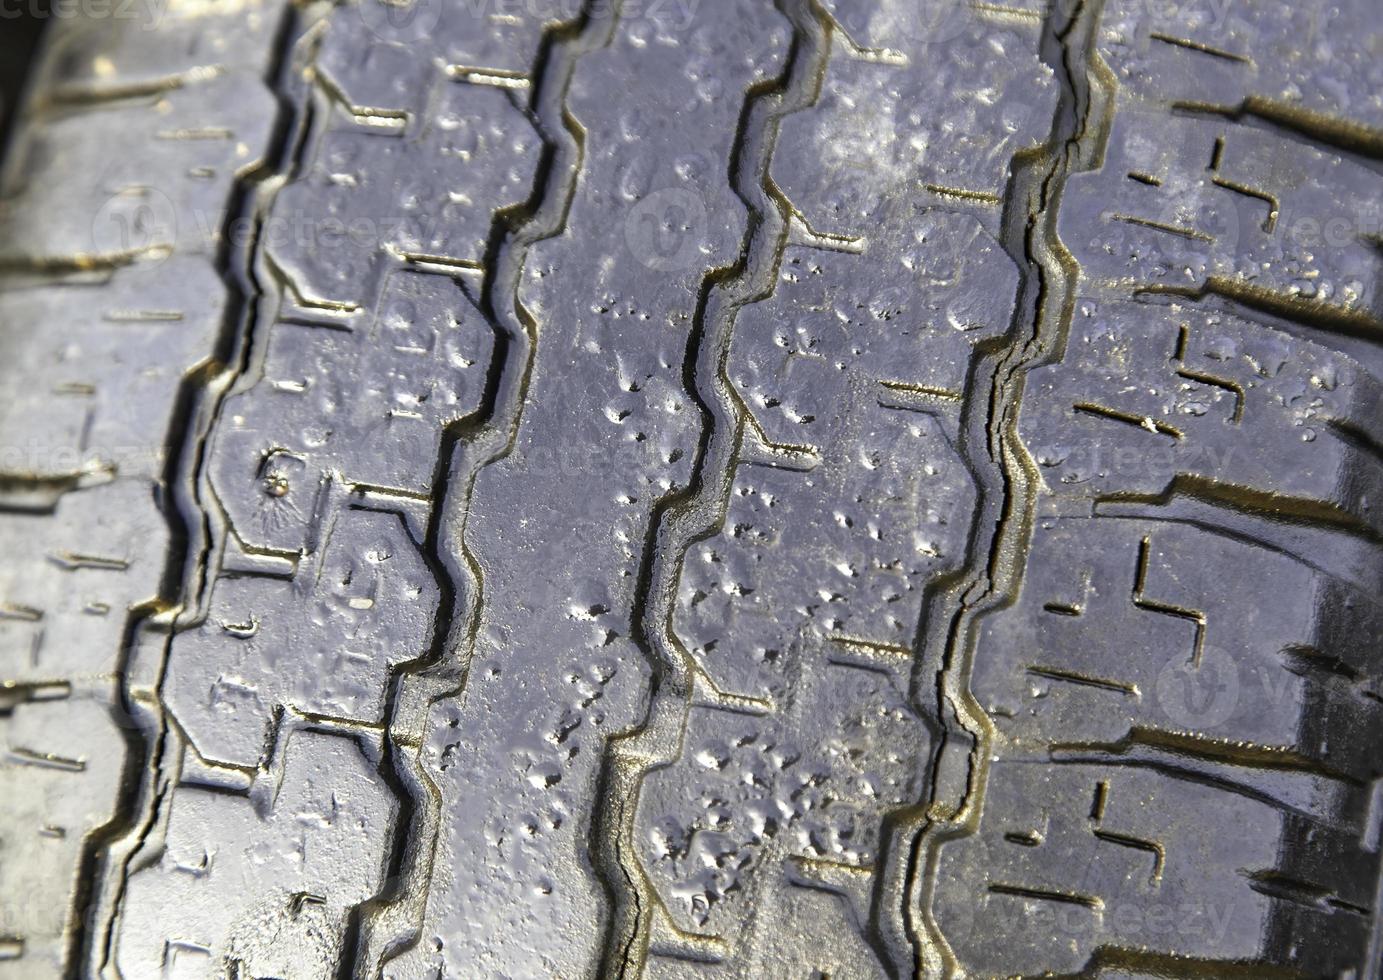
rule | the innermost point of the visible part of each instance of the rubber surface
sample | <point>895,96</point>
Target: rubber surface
<point>831,489</point>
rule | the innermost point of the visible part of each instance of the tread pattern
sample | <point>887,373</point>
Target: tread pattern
<point>114,168</point>
<point>827,487</point>
<point>603,433</point>
<point>325,488</point>
<point>801,611</point>
<point>262,883</point>
<point>1203,401</point>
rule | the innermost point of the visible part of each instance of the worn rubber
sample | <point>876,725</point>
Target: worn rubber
<point>831,488</point>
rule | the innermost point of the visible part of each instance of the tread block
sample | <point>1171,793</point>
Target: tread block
<point>502,38</point>
<point>1076,858</point>
<point>1204,667</point>
<point>843,553</point>
<point>360,405</point>
<point>109,378</point>
<point>372,194</point>
<point>262,885</point>
<point>150,47</point>
<point>881,126</point>
<point>786,905</point>
<point>377,78</point>
<point>152,179</point>
<point>321,644</point>
<point>1225,206</point>
<point>896,325</point>
<point>73,581</point>
<point>848,368</point>
<point>1152,399</point>
<point>1318,61</point>
<point>60,775</point>
<point>806,785</point>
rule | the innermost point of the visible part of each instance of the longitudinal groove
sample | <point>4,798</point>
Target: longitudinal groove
<point>683,519</point>
<point>1008,476</point>
<point>390,924</point>
<point>110,854</point>
<point>22,42</point>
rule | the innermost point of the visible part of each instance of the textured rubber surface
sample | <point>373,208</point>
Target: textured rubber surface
<point>833,489</point>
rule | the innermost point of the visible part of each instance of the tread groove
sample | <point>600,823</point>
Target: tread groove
<point>679,522</point>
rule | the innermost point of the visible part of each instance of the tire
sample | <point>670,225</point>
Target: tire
<point>845,488</point>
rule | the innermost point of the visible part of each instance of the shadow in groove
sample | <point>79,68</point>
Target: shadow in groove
<point>21,26</point>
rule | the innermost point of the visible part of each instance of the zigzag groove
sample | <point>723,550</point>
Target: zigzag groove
<point>700,511</point>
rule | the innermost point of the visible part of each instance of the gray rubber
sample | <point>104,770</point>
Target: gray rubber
<point>833,489</point>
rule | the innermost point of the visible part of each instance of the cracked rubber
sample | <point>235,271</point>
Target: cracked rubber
<point>826,488</point>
